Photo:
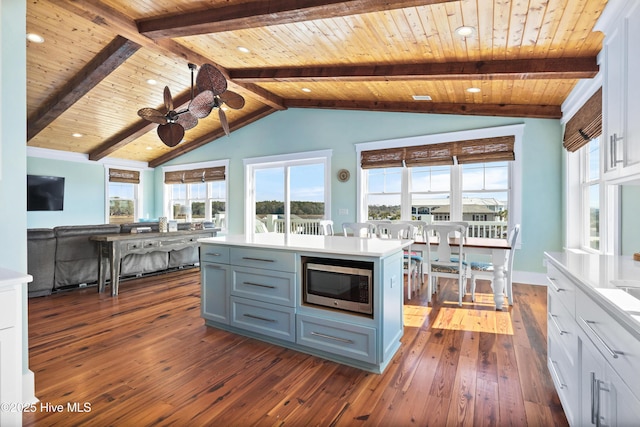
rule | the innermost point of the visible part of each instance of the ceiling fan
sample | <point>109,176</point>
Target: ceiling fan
<point>213,93</point>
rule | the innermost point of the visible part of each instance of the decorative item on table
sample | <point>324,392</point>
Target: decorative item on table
<point>173,225</point>
<point>196,226</point>
<point>162,224</point>
<point>141,230</point>
<point>636,256</point>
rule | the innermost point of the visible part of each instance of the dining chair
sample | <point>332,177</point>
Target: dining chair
<point>359,229</point>
<point>412,261</point>
<point>442,263</point>
<point>326,227</point>
<point>485,270</point>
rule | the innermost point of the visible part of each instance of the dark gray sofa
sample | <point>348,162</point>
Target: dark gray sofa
<point>41,247</point>
<point>64,257</point>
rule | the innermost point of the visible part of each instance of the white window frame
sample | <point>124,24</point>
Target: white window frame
<point>515,167</point>
<point>286,161</point>
<point>137,190</point>
<point>167,208</point>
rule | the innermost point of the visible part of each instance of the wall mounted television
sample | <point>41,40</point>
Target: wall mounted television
<point>45,193</point>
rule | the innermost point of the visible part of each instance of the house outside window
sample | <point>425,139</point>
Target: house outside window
<point>122,191</point>
<point>197,193</point>
<point>288,194</point>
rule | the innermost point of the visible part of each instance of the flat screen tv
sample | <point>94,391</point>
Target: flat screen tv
<point>45,193</point>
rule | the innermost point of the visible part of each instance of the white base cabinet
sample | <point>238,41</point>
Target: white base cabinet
<point>257,292</point>
<point>593,359</point>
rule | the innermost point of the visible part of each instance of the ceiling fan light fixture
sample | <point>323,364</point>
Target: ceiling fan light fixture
<point>465,31</point>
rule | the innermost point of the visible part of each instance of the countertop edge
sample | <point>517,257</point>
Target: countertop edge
<point>617,313</point>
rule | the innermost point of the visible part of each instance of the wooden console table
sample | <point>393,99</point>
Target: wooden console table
<point>113,247</point>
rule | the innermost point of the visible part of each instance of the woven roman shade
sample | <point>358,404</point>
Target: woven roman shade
<point>585,125</point>
<point>123,175</point>
<point>468,151</point>
<point>195,175</point>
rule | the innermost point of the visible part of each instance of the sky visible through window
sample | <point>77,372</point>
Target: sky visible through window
<point>306,181</point>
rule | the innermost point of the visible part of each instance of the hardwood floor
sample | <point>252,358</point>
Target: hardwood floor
<point>146,358</point>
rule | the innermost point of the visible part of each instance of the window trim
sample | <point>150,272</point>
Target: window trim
<point>282,160</point>
<point>166,196</point>
<point>515,184</point>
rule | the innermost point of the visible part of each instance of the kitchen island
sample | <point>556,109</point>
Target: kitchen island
<point>253,285</point>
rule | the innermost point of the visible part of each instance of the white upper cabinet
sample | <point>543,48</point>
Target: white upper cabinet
<point>621,92</point>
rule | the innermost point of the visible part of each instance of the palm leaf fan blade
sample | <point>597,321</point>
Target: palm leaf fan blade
<point>223,121</point>
<point>202,104</point>
<point>152,115</point>
<point>187,120</point>
<point>171,134</point>
<point>210,78</point>
<point>168,101</point>
<point>232,99</point>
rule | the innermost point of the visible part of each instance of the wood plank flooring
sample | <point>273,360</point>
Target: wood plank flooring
<point>146,358</point>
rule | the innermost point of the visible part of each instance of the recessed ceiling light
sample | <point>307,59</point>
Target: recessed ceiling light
<point>151,81</point>
<point>243,49</point>
<point>76,135</point>
<point>149,148</point>
<point>36,38</point>
<point>473,90</point>
<point>306,89</point>
<point>421,98</point>
<point>465,31</point>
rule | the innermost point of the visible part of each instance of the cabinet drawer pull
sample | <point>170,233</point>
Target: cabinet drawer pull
<point>553,284</point>
<point>213,254</point>
<point>248,258</point>
<point>557,325</point>
<point>258,284</point>
<point>556,375</point>
<point>594,412</point>
<point>253,316</point>
<point>613,353</point>
<point>330,337</point>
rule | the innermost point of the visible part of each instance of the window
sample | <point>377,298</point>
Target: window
<point>483,189</point>
<point>287,194</point>
<point>197,193</point>
<point>590,183</point>
<point>122,192</point>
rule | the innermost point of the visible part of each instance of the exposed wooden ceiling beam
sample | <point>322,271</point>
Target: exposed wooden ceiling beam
<point>263,13</point>
<point>522,69</point>
<point>135,131</point>
<point>212,136</point>
<point>104,15</point>
<point>502,110</point>
<point>107,60</point>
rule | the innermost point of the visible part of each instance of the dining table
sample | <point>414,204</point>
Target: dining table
<point>496,248</point>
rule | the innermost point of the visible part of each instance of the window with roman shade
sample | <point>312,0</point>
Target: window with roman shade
<point>195,175</point>
<point>123,175</point>
<point>585,125</point>
<point>482,150</point>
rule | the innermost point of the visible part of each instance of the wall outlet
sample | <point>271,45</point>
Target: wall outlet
<point>343,211</point>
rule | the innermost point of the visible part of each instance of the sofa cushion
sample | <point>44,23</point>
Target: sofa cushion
<point>41,254</point>
<point>76,255</point>
<point>126,228</point>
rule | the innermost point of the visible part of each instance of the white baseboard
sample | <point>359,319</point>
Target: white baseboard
<point>530,278</point>
<point>29,388</point>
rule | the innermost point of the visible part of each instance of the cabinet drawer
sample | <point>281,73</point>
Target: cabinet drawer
<point>214,253</point>
<point>264,285</point>
<point>264,258</point>
<point>562,287</point>
<point>565,377</point>
<point>340,338</point>
<point>561,326</point>
<point>618,346</point>
<point>263,318</point>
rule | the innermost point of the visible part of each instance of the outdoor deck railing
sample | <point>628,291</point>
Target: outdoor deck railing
<point>488,229</point>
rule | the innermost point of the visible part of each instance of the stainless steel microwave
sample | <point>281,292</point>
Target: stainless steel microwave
<point>338,285</point>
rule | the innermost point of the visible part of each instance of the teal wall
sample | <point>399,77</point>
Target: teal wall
<point>84,198</point>
<point>298,130</point>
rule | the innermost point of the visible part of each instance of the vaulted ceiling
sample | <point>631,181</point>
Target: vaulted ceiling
<point>90,75</point>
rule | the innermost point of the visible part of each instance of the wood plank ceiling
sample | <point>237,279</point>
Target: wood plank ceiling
<point>90,75</point>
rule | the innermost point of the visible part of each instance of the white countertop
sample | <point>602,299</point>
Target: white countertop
<point>603,278</point>
<point>11,278</point>
<point>373,247</point>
